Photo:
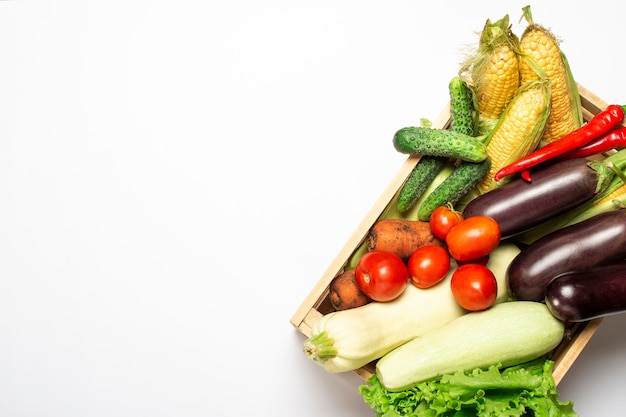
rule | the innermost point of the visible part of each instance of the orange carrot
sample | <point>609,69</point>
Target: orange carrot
<point>345,294</point>
<point>400,236</point>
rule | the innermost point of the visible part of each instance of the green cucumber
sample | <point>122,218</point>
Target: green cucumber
<point>467,174</point>
<point>462,121</point>
<point>431,141</point>
<point>462,108</point>
<point>465,177</point>
<point>506,334</point>
<point>392,212</point>
<point>418,181</point>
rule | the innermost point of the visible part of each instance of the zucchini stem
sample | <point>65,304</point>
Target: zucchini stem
<point>320,347</point>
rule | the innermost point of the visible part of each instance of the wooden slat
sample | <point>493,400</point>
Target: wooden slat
<point>590,101</point>
<point>566,354</point>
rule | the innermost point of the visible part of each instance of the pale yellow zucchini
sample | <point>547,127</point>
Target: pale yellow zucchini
<point>508,334</point>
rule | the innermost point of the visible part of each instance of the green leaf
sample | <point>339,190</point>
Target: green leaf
<point>523,390</point>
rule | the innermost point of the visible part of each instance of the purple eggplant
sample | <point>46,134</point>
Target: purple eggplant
<point>598,240</point>
<point>555,189</point>
<point>588,294</point>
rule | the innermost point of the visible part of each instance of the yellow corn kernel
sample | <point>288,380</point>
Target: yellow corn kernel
<point>496,86</point>
<point>519,131</point>
<point>494,68</point>
<point>541,47</point>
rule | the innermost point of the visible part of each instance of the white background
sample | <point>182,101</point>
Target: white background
<point>175,176</point>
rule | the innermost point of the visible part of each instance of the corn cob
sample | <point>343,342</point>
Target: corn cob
<point>493,71</point>
<point>518,130</point>
<point>541,56</point>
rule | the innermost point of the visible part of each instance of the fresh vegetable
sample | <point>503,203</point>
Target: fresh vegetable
<point>439,142</point>
<point>349,339</point>
<point>557,188</point>
<point>612,198</point>
<point>483,260</point>
<point>466,174</point>
<point>599,125</point>
<point>381,275</point>
<point>418,181</point>
<point>442,219</point>
<point>391,210</point>
<point>462,115</point>
<point>614,139</point>
<point>455,187</point>
<point>598,240</point>
<point>494,69</point>
<point>400,236</point>
<point>473,238</point>
<point>428,265</point>
<point>508,334</point>
<point>522,390</point>
<point>344,293</point>
<point>587,294</point>
<point>544,59</point>
<point>474,287</point>
<point>518,131</point>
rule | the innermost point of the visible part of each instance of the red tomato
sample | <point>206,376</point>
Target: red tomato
<point>474,287</point>
<point>428,265</point>
<point>473,238</point>
<point>483,260</point>
<point>381,275</point>
<point>442,219</point>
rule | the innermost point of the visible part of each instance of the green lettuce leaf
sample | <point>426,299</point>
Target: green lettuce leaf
<point>526,390</point>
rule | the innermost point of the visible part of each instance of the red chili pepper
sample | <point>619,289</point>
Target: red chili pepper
<point>599,125</point>
<point>615,139</point>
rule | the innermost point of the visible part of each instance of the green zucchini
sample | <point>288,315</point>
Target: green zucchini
<point>439,142</point>
<point>506,334</point>
<point>465,177</point>
<point>418,181</point>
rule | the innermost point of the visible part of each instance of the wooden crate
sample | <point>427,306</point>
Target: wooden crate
<point>317,302</point>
